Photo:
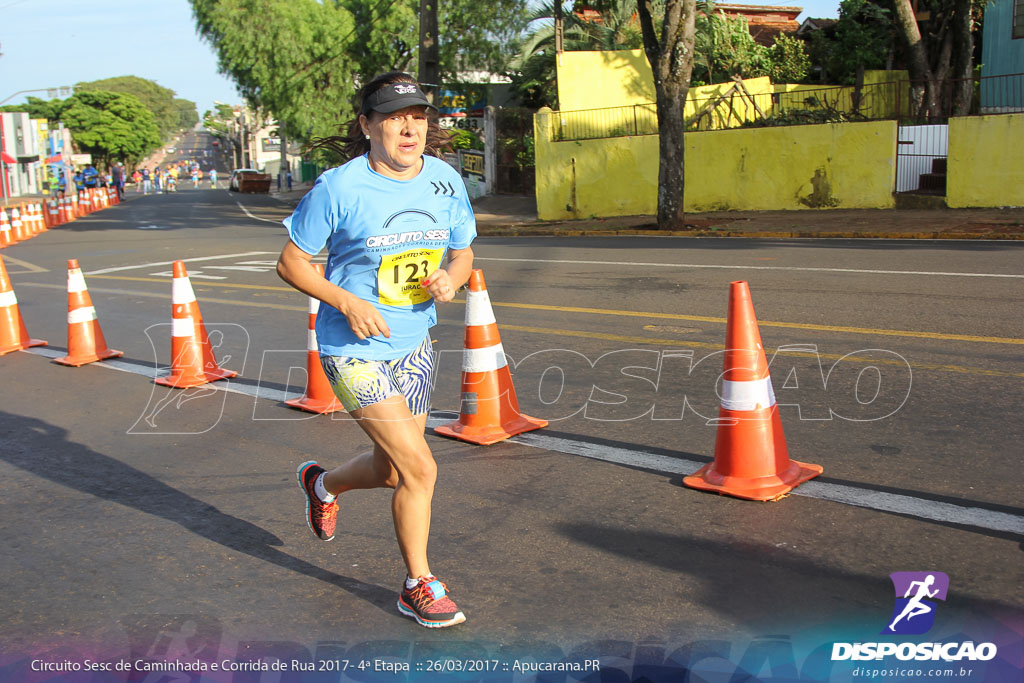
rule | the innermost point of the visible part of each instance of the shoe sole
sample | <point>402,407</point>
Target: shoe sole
<point>409,612</point>
<point>298,473</point>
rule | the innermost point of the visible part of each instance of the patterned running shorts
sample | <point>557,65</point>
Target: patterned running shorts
<point>360,383</point>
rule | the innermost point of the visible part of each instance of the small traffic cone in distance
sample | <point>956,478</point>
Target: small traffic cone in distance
<point>751,457</point>
<point>192,360</point>
<point>18,232</point>
<point>489,411</point>
<point>53,215</point>
<point>13,335</point>
<point>319,396</point>
<point>85,338</point>
<point>6,238</point>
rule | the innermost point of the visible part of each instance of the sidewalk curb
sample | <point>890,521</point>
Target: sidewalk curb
<point>527,231</point>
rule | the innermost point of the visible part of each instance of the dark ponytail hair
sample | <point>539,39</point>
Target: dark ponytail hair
<point>354,143</point>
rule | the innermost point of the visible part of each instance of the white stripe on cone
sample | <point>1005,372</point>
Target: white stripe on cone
<point>76,281</point>
<point>182,327</point>
<point>314,305</point>
<point>311,343</point>
<point>181,291</point>
<point>82,315</point>
<point>478,309</point>
<point>8,299</point>
<point>752,395</point>
<point>484,360</point>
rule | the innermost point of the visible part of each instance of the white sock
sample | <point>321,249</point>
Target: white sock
<point>410,583</point>
<point>320,491</point>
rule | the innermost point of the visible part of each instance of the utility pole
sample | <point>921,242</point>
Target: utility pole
<point>429,74</point>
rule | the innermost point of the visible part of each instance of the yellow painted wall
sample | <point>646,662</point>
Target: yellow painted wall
<point>798,167</point>
<point>583,179</point>
<point>594,80</point>
<point>847,166</point>
<point>984,166</point>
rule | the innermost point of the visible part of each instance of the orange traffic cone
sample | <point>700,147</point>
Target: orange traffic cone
<point>751,458</point>
<point>319,397</point>
<point>36,224</point>
<point>6,238</point>
<point>85,338</point>
<point>67,210</point>
<point>192,360</point>
<point>53,215</point>
<point>18,231</point>
<point>489,411</point>
<point>13,335</point>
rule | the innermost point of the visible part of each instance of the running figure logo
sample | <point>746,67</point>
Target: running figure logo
<point>914,613</point>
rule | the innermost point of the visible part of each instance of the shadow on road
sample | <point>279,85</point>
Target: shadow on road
<point>44,450</point>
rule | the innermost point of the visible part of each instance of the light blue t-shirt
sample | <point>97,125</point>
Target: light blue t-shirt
<point>382,236</point>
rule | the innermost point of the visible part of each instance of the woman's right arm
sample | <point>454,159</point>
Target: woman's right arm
<point>295,267</point>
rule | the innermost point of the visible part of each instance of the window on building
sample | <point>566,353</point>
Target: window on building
<point>1018,18</point>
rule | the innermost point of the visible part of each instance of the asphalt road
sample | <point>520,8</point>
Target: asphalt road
<point>141,524</point>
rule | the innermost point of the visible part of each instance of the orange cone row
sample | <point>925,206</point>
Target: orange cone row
<point>751,457</point>
<point>24,221</point>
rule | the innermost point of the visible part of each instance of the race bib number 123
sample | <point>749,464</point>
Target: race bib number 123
<point>399,276</point>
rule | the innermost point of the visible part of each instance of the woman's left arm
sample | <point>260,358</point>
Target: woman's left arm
<point>444,282</point>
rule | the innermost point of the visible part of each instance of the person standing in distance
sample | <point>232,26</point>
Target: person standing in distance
<point>387,217</point>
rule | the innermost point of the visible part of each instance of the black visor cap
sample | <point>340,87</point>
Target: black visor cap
<point>395,96</point>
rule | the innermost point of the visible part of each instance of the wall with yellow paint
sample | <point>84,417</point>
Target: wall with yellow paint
<point>584,179</point>
<point>594,80</point>
<point>796,167</point>
<point>847,166</point>
<point>984,165</point>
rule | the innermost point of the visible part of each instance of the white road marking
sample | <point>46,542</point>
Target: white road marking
<point>837,493</point>
<point>186,260</point>
<point>257,218</point>
<point>748,267</point>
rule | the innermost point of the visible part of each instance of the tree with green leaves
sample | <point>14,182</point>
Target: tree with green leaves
<point>863,39</point>
<point>670,52</point>
<point>111,126</point>
<point>290,58</point>
<point>38,108</point>
<point>188,117</point>
<point>724,48</point>
<point>301,61</point>
<point>160,101</point>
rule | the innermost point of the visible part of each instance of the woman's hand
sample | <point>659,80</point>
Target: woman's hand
<point>439,285</point>
<point>365,320</point>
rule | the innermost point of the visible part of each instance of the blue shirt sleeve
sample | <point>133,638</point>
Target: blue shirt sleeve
<point>464,230</point>
<point>313,221</point>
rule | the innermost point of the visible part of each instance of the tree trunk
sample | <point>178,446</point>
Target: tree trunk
<point>923,90</point>
<point>671,59</point>
<point>963,58</point>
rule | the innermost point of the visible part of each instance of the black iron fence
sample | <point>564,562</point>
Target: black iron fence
<point>734,106</point>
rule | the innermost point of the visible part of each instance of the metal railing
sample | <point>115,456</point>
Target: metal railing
<point>799,105</point>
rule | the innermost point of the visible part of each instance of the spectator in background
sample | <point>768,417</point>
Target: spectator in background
<point>117,178</point>
<point>62,183</point>
<point>79,180</point>
<point>90,177</point>
<point>147,181</point>
<point>137,179</point>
